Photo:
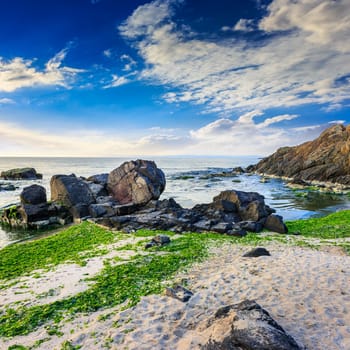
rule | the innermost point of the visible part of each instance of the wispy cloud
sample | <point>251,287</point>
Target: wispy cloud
<point>21,73</point>
<point>129,63</point>
<point>299,64</point>
<point>4,101</point>
<point>117,81</point>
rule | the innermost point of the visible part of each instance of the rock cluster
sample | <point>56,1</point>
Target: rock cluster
<point>325,159</point>
<point>21,174</point>
<point>127,199</point>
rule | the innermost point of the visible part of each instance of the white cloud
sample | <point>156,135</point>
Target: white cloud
<point>322,22</point>
<point>244,25</point>
<point>107,53</point>
<point>129,62</point>
<point>246,136</point>
<point>5,100</point>
<point>20,73</point>
<point>304,64</point>
<point>117,81</point>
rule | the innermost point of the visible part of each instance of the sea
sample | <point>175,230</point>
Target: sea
<point>187,181</point>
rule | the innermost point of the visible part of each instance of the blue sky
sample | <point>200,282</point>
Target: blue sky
<point>171,77</point>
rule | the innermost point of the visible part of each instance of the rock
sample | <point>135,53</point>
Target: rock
<point>100,179</point>
<point>161,239</point>
<point>97,210</point>
<point>202,225</point>
<point>97,190</point>
<point>246,326</point>
<point>34,194</point>
<point>7,187</point>
<point>323,159</point>
<point>275,223</point>
<point>34,212</point>
<point>237,232</point>
<point>256,252</point>
<point>71,191</point>
<point>179,292</point>
<point>251,226</point>
<point>250,205</point>
<point>136,182</point>
<point>238,170</point>
<point>221,227</point>
<point>21,174</point>
<point>79,211</point>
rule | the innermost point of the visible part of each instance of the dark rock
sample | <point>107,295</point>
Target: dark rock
<point>97,190</point>
<point>179,292</point>
<point>71,191</point>
<point>221,227</point>
<point>100,179</point>
<point>97,210</point>
<point>34,212</point>
<point>251,226</point>
<point>238,170</point>
<point>34,194</point>
<point>256,252</point>
<point>21,174</point>
<point>275,223</point>
<point>79,211</point>
<point>237,232</point>
<point>161,239</point>
<point>323,159</point>
<point>7,187</point>
<point>136,182</point>
<point>202,225</point>
<point>125,209</point>
<point>246,326</point>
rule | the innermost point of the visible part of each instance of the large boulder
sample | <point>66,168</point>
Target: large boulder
<point>136,182</point>
<point>71,192</point>
<point>34,194</point>
<point>323,159</point>
<point>246,326</point>
<point>21,174</point>
<point>249,205</point>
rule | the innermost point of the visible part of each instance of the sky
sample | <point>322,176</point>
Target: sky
<point>172,77</point>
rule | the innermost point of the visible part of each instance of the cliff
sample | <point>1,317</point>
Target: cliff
<point>325,159</point>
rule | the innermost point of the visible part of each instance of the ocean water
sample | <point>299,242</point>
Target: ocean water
<point>197,188</point>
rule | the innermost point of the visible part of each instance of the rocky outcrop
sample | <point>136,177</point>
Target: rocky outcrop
<point>21,174</point>
<point>227,213</point>
<point>246,326</point>
<point>136,182</point>
<point>324,159</point>
<point>133,204</point>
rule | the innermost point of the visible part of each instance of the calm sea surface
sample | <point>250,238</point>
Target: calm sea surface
<point>197,189</point>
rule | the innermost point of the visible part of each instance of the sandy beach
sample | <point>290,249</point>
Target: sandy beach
<point>304,290</point>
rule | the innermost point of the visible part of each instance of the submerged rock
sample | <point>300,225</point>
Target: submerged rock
<point>21,174</point>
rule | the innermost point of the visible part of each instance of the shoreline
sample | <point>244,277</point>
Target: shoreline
<point>303,285</point>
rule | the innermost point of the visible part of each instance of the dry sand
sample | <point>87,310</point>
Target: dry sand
<point>305,291</point>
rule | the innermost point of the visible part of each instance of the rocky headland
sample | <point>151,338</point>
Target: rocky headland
<point>323,162</point>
